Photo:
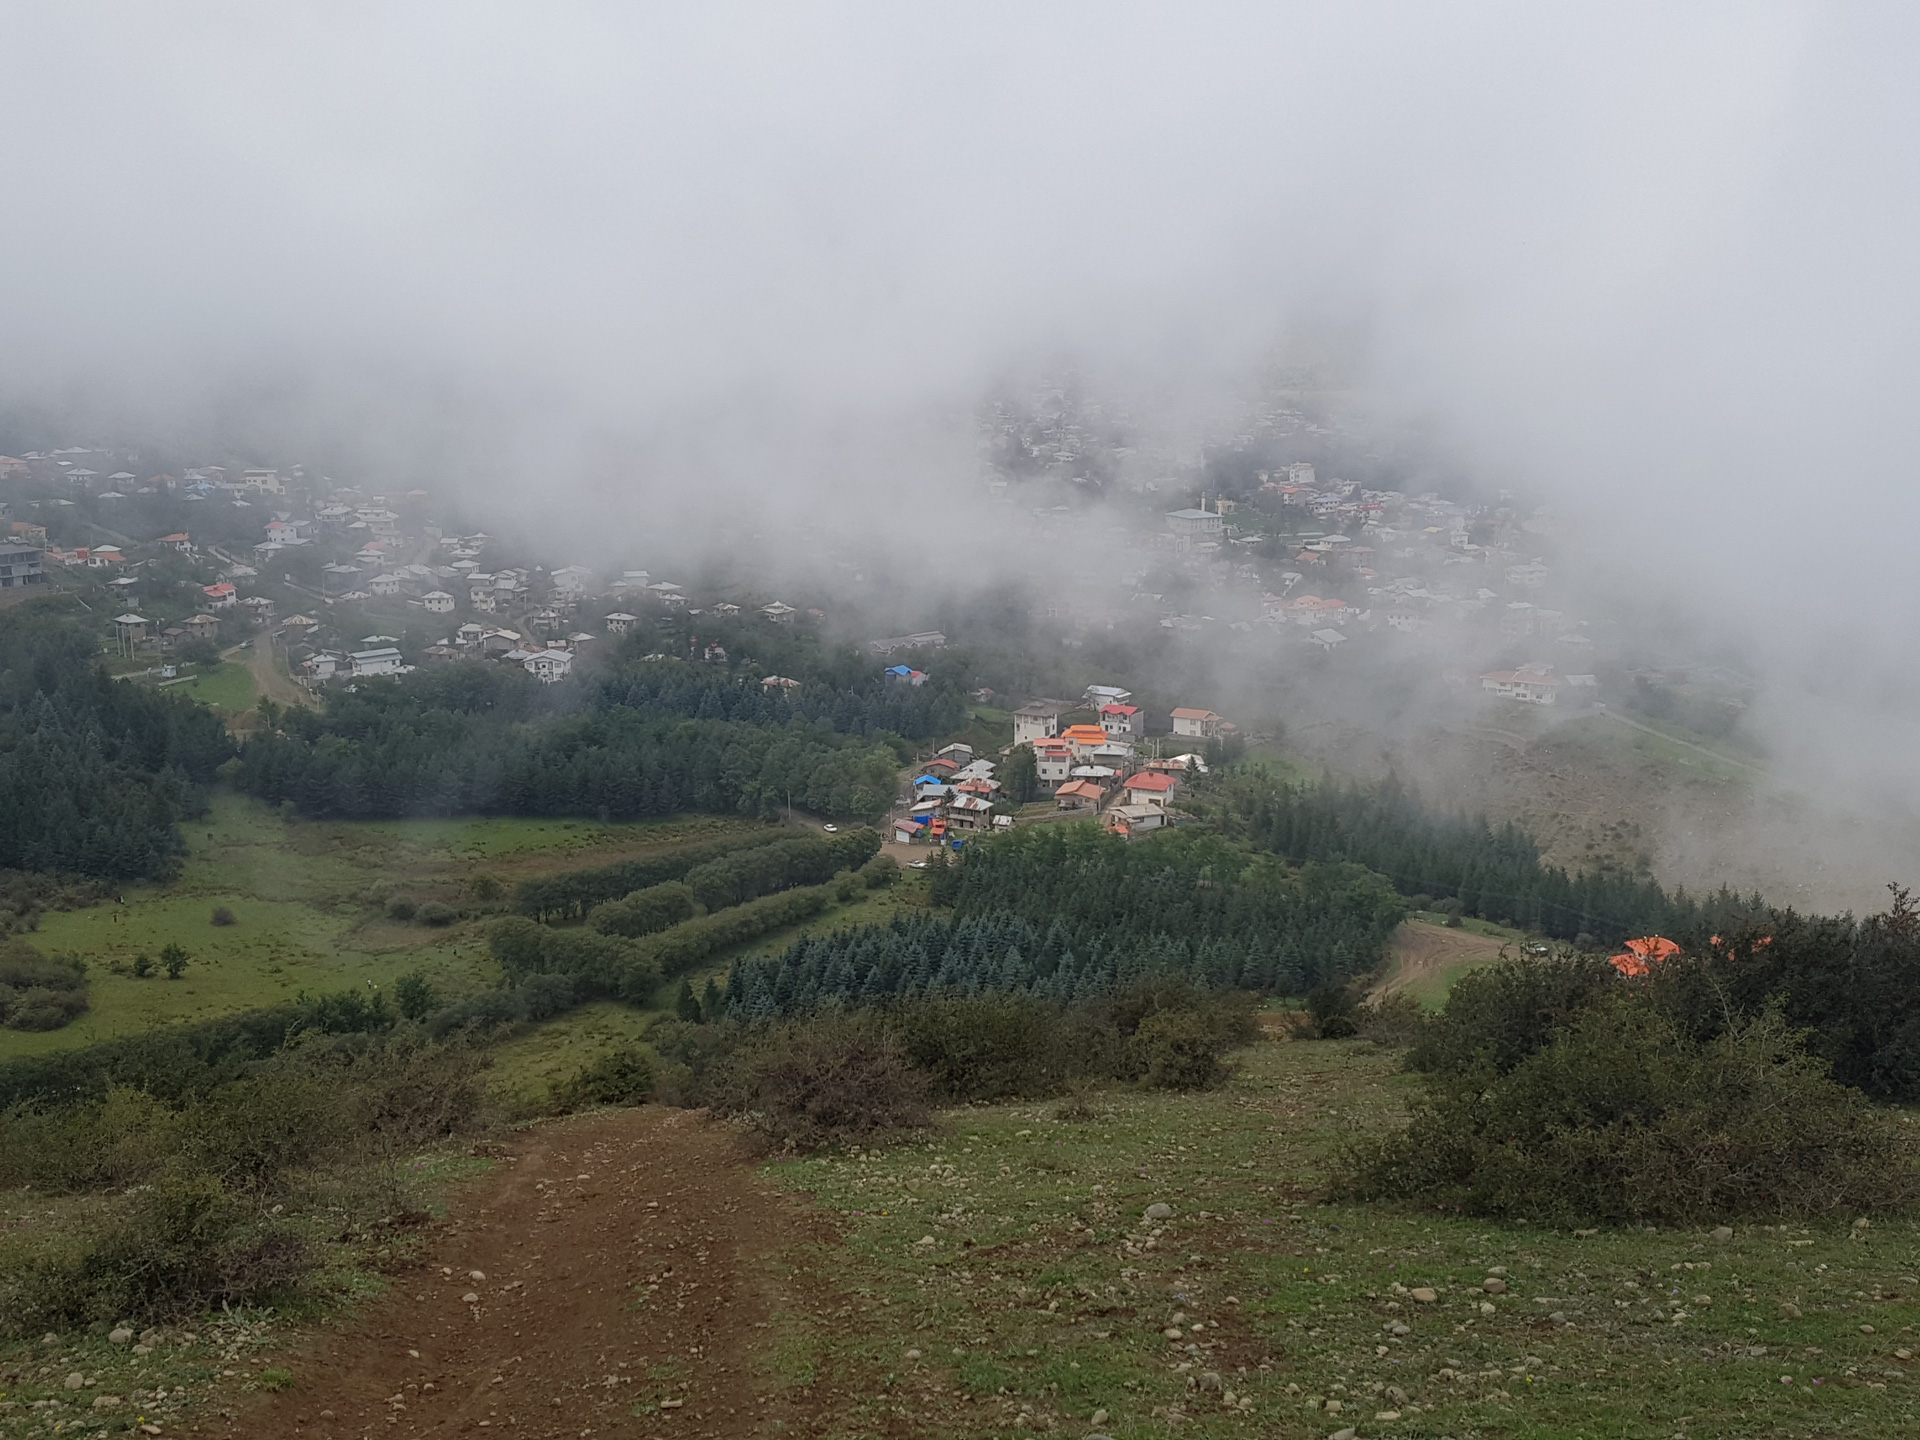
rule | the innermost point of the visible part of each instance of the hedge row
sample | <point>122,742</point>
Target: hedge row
<point>748,874</point>
<point>572,893</point>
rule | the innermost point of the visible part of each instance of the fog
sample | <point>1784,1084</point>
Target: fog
<point>639,271</point>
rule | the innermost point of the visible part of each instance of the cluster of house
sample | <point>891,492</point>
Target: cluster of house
<point>1089,767</point>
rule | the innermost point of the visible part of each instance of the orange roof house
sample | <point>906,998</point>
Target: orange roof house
<point>1643,954</point>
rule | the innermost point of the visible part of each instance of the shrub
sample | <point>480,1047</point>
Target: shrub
<point>1391,1020</point>
<point>1175,1050</point>
<point>222,915</point>
<point>1335,1011</point>
<point>1496,1017</point>
<point>987,1047</point>
<point>484,887</point>
<point>436,913</point>
<point>821,1082</point>
<point>621,1077</point>
<point>880,872</point>
<point>413,995</point>
<point>142,966</point>
<point>401,908</point>
<point>39,992</point>
<point>174,960</point>
<point>1624,1117</point>
<point>645,911</point>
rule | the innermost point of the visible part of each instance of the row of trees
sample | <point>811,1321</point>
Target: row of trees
<point>717,692</point>
<point>95,775</point>
<point>1492,871</point>
<point>1062,913</point>
<point>572,893</point>
<point>617,764</point>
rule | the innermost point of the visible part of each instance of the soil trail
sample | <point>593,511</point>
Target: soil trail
<point>1423,952</point>
<point>273,682</point>
<point>632,1273</point>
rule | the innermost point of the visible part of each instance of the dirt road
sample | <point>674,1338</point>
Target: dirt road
<point>274,683</point>
<point>1424,954</point>
<point>619,1274</point>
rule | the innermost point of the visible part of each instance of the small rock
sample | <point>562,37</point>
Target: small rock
<point>1347,1434</point>
<point>326,1414</point>
<point>49,1339</point>
<point>1210,1381</point>
<point>143,1349</point>
<point>471,1297</point>
<point>1159,1210</point>
<point>1174,1332</point>
<point>913,1354</point>
<point>106,1402</point>
<point>1494,1285</point>
<point>925,1242</point>
<point>476,1274</point>
<point>76,1380</point>
<point>1903,1354</point>
<point>1487,1308</point>
<point>1498,1270</point>
<point>1400,1327</point>
<point>1425,1294</point>
<point>1866,1329</point>
<point>1334,1407</point>
<point>1723,1233</point>
<point>1386,1414</point>
<point>122,1336</point>
<point>1558,1317</point>
<point>1789,1311</point>
<point>1099,1418</point>
<point>1396,1395</point>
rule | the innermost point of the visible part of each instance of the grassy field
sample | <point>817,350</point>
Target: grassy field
<point>226,686</point>
<point>1006,1270</point>
<point>309,904</point>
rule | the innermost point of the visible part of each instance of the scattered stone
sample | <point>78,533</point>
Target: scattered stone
<point>1347,1434</point>
<point>925,1242</point>
<point>1585,1234</point>
<point>1386,1415</point>
<point>1425,1294</point>
<point>471,1297</point>
<point>1334,1407</point>
<point>1396,1395</point>
<point>1789,1311</point>
<point>913,1354</point>
<point>1487,1307</point>
<point>1866,1329</point>
<point>1494,1285</point>
<point>1399,1327</point>
<point>1498,1270</point>
<point>49,1339</point>
<point>476,1274</point>
<point>1210,1381</point>
<point>1099,1418</point>
<point>122,1336</point>
<point>1723,1233</point>
<point>76,1380</point>
<point>1159,1210</point>
<point>106,1402</point>
<point>1903,1354</point>
<point>326,1414</point>
<point>1174,1332</point>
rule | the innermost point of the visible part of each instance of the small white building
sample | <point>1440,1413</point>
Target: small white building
<point>384,661</point>
<point>620,622</point>
<point>548,666</point>
<point>1199,724</point>
<point>438,602</point>
<point>1533,684</point>
<point>1037,720</point>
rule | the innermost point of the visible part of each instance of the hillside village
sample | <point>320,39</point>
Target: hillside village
<point>334,583</point>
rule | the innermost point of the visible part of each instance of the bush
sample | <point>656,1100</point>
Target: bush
<point>1335,1011</point>
<point>222,915</point>
<point>987,1047</point>
<point>174,960</point>
<point>808,1084</point>
<point>38,992</point>
<point>621,1077</point>
<point>1496,1017</point>
<point>401,909</point>
<point>142,966</point>
<point>413,995</point>
<point>1391,1020</point>
<point>880,872</point>
<point>1624,1117</point>
<point>435,913</point>
<point>645,911</point>
<point>1175,1050</point>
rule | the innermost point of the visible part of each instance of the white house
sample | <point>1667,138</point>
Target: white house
<point>547,666</point>
<point>1200,724</point>
<point>438,602</point>
<point>1195,524</point>
<point>1117,719</point>
<point>1038,720</point>
<point>384,661</point>
<point>1533,684</point>
<point>620,622</point>
<point>384,585</point>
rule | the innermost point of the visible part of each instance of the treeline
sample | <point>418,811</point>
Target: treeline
<point>1492,872</point>
<point>868,705</point>
<point>400,751</point>
<point>569,895</point>
<point>1064,913</point>
<point>95,774</point>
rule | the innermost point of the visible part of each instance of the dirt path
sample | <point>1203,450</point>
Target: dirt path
<point>633,1271</point>
<point>1424,953</point>
<point>274,683</point>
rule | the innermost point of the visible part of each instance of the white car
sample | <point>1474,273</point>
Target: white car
<point>916,864</point>
<point>831,829</point>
